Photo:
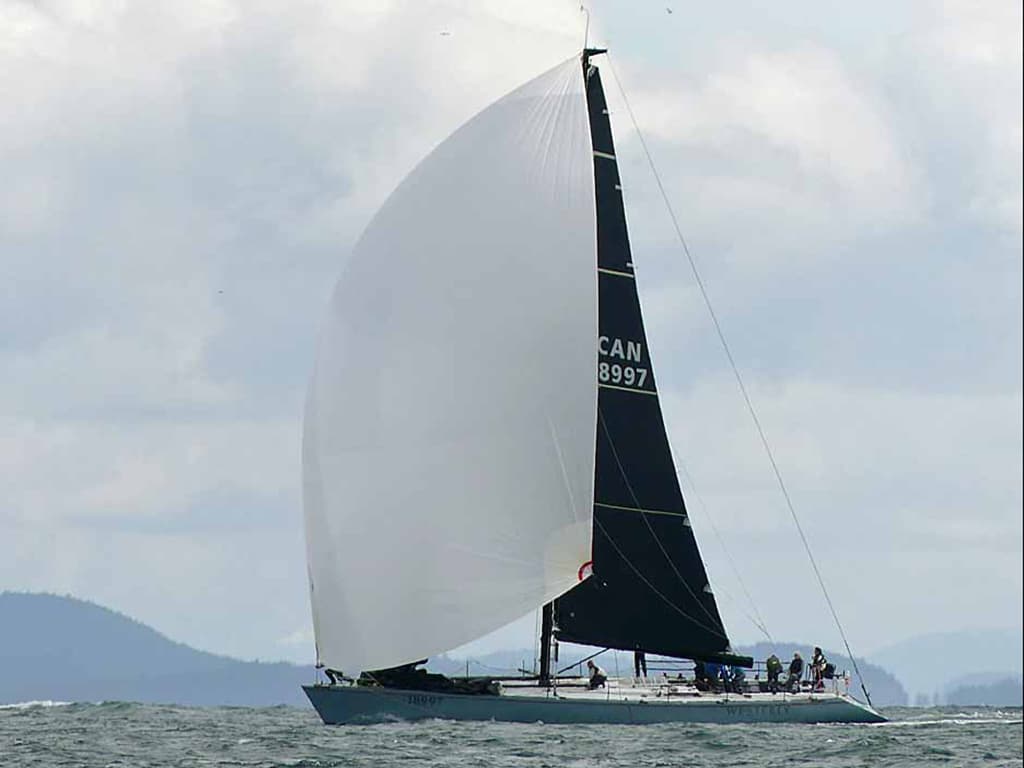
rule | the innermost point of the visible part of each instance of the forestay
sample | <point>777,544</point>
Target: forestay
<point>449,431</point>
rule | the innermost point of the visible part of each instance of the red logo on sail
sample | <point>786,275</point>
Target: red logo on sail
<point>587,569</point>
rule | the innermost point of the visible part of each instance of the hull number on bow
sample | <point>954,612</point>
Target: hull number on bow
<point>423,700</point>
<point>623,373</point>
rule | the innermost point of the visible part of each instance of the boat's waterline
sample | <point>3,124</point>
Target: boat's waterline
<point>354,704</point>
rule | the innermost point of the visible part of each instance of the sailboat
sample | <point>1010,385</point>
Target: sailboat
<point>483,437</point>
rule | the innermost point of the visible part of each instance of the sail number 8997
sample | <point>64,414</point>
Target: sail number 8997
<point>614,373</point>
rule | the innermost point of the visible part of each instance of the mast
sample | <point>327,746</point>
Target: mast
<point>547,624</point>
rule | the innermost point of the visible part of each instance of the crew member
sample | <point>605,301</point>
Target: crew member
<point>796,671</point>
<point>774,667</point>
<point>639,664</point>
<point>818,662</point>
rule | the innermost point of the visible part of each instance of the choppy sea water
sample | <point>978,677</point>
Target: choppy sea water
<point>112,735</point>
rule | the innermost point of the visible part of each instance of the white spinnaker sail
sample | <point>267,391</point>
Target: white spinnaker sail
<point>449,432</point>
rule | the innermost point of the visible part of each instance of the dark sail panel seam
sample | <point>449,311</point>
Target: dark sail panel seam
<point>628,389</point>
<point>606,271</point>
<point>638,509</point>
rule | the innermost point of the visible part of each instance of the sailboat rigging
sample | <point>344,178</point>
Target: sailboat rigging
<point>484,435</point>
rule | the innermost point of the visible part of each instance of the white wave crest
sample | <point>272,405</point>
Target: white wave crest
<point>31,704</point>
<point>969,719</point>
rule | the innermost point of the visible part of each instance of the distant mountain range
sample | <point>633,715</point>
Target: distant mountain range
<point>1003,692</point>
<point>931,666</point>
<point>64,649</point>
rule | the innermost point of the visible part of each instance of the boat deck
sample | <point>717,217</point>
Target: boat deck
<point>656,690</point>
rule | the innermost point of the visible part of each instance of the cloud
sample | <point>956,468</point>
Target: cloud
<point>182,183</point>
<point>792,120</point>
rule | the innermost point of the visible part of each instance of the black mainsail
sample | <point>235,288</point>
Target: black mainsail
<point>649,589</point>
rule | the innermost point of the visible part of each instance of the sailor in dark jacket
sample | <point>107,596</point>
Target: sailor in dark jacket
<point>774,667</point>
<point>597,676</point>
<point>796,671</point>
<point>701,678</point>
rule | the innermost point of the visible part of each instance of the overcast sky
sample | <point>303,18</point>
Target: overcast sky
<point>181,182</point>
